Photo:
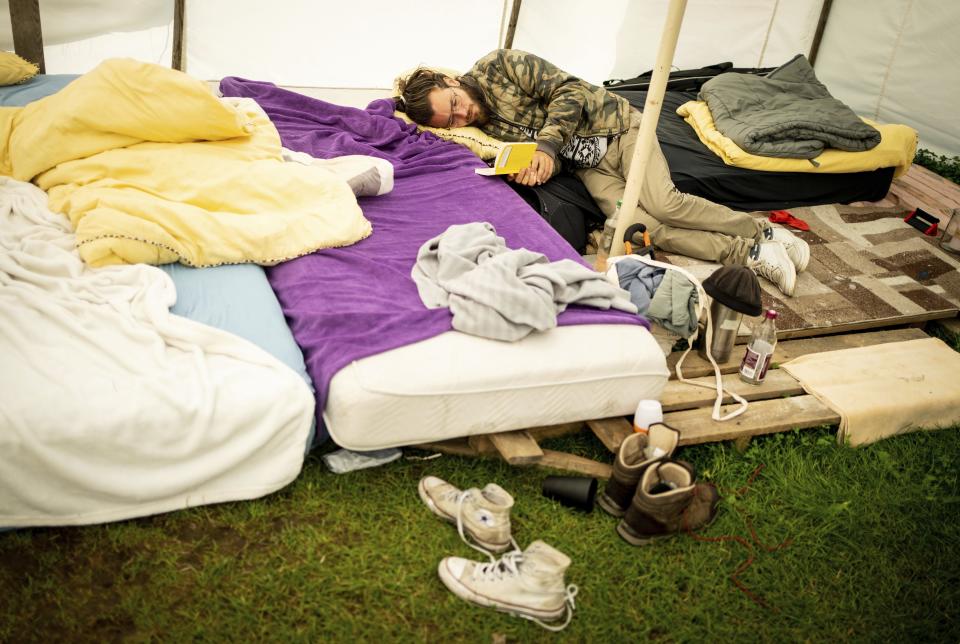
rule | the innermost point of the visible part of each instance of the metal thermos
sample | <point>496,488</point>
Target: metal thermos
<point>726,325</point>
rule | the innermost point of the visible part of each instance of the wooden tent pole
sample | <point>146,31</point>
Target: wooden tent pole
<point>177,59</point>
<point>27,33</point>
<point>512,25</point>
<point>818,34</point>
<point>646,138</point>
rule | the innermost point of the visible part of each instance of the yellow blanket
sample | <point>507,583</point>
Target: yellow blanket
<point>897,147</point>
<point>151,167</point>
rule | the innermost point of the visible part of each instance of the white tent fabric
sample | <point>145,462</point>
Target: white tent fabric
<point>619,38</point>
<point>357,44</point>
<point>897,62</point>
<point>892,60</point>
<point>78,35</point>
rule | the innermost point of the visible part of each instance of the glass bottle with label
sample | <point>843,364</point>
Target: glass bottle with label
<point>606,240</point>
<point>759,353</point>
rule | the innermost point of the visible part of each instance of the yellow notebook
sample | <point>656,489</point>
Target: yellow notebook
<point>512,158</point>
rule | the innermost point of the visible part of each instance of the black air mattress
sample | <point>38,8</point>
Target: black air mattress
<point>696,170</point>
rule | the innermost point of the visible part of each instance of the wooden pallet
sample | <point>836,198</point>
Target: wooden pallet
<point>779,404</point>
<point>921,188</point>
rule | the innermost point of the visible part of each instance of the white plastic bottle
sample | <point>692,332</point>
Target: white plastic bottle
<point>759,353</point>
<point>606,240</point>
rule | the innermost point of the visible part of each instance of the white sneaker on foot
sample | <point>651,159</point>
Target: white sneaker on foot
<point>769,259</point>
<point>797,249</point>
<point>482,514</point>
<point>527,584</point>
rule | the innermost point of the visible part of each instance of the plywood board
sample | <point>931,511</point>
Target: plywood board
<point>611,431</point>
<point>695,366</point>
<point>516,448</point>
<point>763,417</point>
<point>679,395</point>
<point>574,463</point>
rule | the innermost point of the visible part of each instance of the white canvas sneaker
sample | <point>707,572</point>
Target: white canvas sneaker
<point>769,259</point>
<point>527,584</point>
<point>484,514</point>
<point>797,249</point>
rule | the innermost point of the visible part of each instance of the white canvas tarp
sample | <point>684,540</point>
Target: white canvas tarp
<point>891,60</point>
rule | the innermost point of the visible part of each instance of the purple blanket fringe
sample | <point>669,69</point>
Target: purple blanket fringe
<point>344,304</point>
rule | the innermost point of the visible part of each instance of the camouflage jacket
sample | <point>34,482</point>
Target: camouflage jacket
<point>527,94</point>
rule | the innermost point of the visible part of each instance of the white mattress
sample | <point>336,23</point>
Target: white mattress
<point>456,385</point>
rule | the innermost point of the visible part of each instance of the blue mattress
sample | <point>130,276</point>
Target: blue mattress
<point>33,89</point>
<point>239,299</point>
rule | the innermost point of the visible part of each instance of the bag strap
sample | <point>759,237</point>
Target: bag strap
<point>701,304</point>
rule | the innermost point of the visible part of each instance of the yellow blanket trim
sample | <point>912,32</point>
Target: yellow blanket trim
<point>897,148</point>
<point>104,250</point>
<point>150,167</point>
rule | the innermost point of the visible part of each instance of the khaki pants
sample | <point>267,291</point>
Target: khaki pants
<point>677,222</point>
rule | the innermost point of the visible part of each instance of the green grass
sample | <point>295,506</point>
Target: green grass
<point>870,552</point>
<point>947,167</point>
<point>872,555</point>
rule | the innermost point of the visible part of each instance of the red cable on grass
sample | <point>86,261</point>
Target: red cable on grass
<point>735,575</point>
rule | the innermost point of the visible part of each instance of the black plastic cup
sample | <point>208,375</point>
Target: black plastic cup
<point>576,492</point>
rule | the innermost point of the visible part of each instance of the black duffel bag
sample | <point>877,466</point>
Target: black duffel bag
<point>566,205</point>
<point>684,80</point>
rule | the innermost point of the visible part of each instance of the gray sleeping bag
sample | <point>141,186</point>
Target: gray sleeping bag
<point>788,113</point>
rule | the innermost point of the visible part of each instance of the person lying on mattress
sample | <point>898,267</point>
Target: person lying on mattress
<point>517,96</point>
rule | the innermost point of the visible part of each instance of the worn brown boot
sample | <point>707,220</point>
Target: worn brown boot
<point>635,455</point>
<point>668,500</point>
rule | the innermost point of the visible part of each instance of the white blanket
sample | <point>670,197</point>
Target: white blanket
<point>111,407</point>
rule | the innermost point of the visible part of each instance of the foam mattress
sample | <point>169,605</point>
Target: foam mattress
<point>454,385</point>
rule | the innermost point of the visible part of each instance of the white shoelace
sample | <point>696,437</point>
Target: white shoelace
<point>509,566</point>
<point>462,497</point>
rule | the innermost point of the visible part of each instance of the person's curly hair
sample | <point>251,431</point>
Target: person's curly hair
<point>415,91</point>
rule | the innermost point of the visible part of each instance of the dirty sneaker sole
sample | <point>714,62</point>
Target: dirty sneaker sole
<point>800,255</point>
<point>634,539</point>
<point>428,501</point>
<point>607,505</point>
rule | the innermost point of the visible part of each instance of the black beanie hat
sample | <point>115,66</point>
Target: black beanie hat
<point>736,287</point>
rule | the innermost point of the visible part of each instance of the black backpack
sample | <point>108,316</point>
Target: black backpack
<point>566,205</point>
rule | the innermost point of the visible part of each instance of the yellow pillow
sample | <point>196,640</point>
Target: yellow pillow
<point>476,140</point>
<point>14,69</point>
<point>483,145</point>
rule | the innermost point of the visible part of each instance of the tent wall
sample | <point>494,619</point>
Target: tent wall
<point>893,60</point>
<point>897,61</point>
<point>606,39</point>
<point>357,44</point>
<point>78,35</point>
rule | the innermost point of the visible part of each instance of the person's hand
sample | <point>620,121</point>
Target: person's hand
<point>539,170</point>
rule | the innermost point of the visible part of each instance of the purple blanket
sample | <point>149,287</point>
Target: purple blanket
<point>344,304</point>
